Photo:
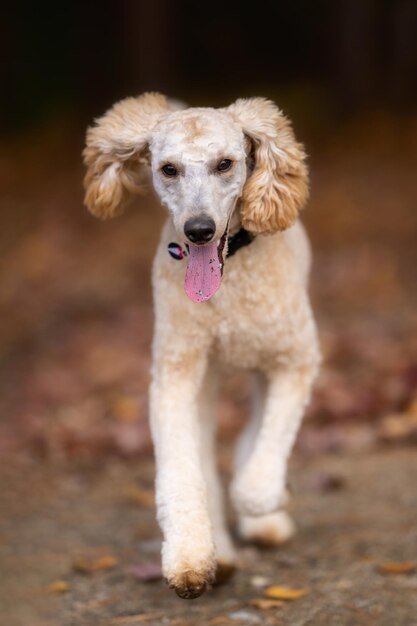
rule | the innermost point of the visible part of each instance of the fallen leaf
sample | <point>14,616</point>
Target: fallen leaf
<point>140,496</point>
<point>125,409</point>
<point>59,586</point>
<point>406,567</point>
<point>398,427</point>
<point>135,619</point>
<point>104,563</point>
<point>81,566</point>
<point>284,593</point>
<point>264,604</point>
<point>147,572</point>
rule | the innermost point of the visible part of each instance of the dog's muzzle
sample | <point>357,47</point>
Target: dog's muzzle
<point>200,230</point>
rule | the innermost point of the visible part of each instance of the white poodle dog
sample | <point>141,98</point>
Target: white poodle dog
<point>230,291</point>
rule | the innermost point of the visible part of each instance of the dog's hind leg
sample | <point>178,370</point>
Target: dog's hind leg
<point>259,487</point>
<point>274,528</point>
<point>246,441</point>
<point>225,552</point>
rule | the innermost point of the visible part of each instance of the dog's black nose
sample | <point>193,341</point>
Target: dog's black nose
<point>200,229</point>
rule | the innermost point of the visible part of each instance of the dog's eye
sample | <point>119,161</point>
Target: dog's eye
<point>169,170</point>
<point>224,165</point>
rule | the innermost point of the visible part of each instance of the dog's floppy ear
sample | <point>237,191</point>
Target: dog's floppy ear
<point>115,147</point>
<point>277,189</point>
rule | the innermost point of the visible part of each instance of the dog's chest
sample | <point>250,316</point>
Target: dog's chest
<point>257,317</point>
<point>252,328</point>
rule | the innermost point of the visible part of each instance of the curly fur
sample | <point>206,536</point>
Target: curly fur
<point>116,145</point>
<point>260,319</point>
<point>278,188</point>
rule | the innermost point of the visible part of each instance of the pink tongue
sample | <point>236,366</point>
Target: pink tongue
<point>204,272</point>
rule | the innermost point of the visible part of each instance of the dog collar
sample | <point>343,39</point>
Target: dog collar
<point>239,240</point>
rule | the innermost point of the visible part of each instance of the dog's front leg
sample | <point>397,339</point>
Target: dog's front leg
<point>259,486</point>
<point>188,556</point>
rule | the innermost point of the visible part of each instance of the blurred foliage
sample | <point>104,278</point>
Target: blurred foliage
<point>80,57</point>
<point>77,313</point>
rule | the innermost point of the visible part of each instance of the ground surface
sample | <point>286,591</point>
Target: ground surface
<point>55,523</point>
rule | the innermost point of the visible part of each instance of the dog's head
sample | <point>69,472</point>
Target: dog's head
<point>205,162</point>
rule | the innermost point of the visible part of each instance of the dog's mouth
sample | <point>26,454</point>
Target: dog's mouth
<point>205,269</point>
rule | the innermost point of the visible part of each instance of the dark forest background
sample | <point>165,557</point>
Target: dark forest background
<point>80,57</point>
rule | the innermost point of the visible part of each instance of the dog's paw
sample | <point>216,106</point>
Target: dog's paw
<point>253,494</point>
<point>189,571</point>
<point>192,583</point>
<point>267,530</point>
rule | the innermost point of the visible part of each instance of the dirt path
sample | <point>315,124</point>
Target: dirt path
<point>53,519</point>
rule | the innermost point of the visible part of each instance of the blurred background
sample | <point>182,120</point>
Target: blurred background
<point>75,295</point>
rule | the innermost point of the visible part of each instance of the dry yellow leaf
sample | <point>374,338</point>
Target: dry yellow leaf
<point>406,567</point>
<point>264,604</point>
<point>125,409</point>
<point>105,562</point>
<point>59,586</point>
<point>142,497</point>
<point>284,593</point>
<point>134,619</point>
